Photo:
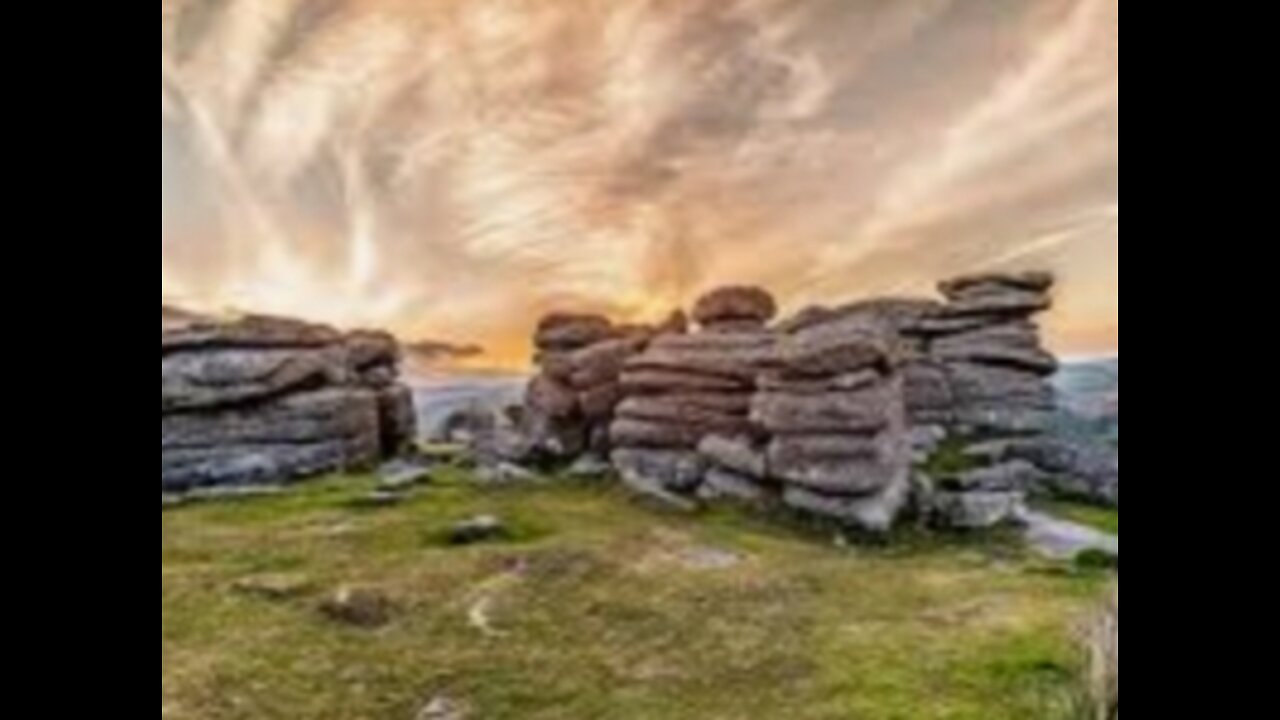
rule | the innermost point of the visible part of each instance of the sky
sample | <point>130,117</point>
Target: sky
<point>452,169</point>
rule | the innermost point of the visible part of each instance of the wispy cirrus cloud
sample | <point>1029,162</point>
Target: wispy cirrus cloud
<point>452,169</point>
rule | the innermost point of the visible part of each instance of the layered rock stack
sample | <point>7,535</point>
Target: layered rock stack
<point>994,396</point>
<point>854,414</point>
<point>265,400</point>
<point>836,417</point>
<point>570,404</point>
<point>975,381</point>
<point>685,389</point>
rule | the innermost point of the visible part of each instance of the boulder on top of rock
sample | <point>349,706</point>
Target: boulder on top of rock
<point>370,349</point>
<point>1003,303</point>
<point>750,305</point>
<point>904,315</point>
<point>248,332</point>
<point>560,332</point>
<point>1035,282</point>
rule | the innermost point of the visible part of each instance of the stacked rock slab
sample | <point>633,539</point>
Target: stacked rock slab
<point>266,400</point>
<point>997,395</point>
<point>836,417</point>
<point>690,391</point>
<point>570,403</point>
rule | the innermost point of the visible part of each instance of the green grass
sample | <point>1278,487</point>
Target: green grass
<point>600,609</point>
<point>1104,519</point>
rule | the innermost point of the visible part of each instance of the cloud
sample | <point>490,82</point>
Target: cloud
<point>453,169</point>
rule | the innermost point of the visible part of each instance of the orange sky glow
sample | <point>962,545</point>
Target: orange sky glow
<point>451,170</point>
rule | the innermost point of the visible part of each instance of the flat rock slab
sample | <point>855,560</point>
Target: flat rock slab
<point>1064,540</point>
<point>399,475</point>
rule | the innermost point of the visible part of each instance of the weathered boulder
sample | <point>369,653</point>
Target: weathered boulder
<point>224,377</point>
<point>876,514</point>
<point>253,332</point>
<point>976,510</point>
<point>566,332</point>
<point>674,471</point>
<point>261,400</point>
<point>744,306</point>
<point>1036,282</point>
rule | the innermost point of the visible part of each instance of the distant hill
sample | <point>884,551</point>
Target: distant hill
<point>433,352</point>
<point>1089,399</point>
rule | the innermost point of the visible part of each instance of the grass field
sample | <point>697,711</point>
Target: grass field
<point>597,608</point>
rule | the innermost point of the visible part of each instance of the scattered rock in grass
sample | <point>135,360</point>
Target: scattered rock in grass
<point>234,492</point>
<point>444,708</point>
<point>482,528</point>
<point>378,499</point>
<point>505,473</point>
<point>401,475</point>
<point>709,558</point>
<point>589,467</point>
<point>1065,540</point>
<point>274,587</point>
<point>358,607</point>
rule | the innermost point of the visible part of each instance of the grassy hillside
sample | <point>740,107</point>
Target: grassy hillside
<point>597,609</point>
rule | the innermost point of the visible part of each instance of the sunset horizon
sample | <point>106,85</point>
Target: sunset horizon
<point>452,171</point>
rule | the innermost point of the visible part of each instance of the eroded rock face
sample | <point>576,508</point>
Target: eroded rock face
<point>687,393</point>
<point>265,400</point>
<point>570,404</point>
<point>829,411</point>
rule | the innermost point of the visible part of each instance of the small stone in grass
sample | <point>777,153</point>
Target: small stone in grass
<point>444,708</point>
<point>482,528</point>
<point>378,499</point>
<point>400,475</point>
<point>274,587</point>
<point>358,607</point>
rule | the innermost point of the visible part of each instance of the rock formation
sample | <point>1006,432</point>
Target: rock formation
<point>855,414</point>
<point>976,389</point>
<point>570,403</point>
<point>836,414</point>
<point>687,389</point>
<point>267,400</point>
